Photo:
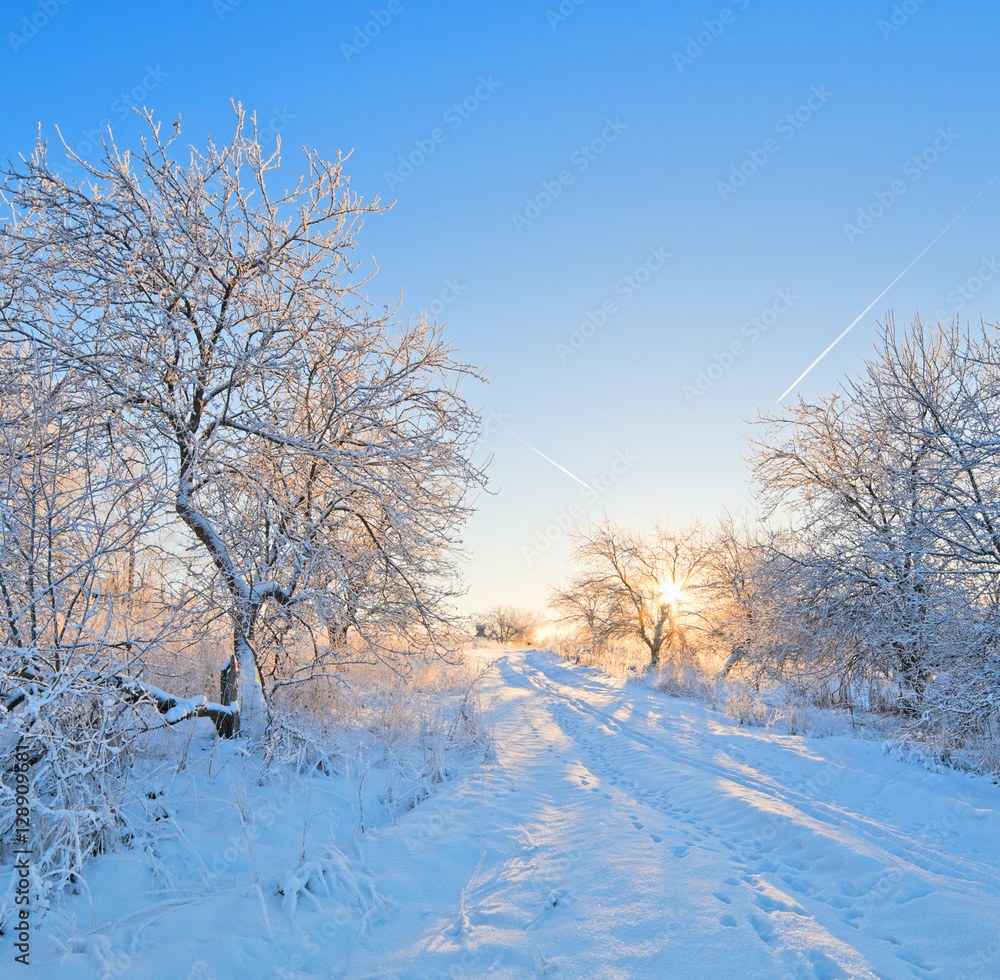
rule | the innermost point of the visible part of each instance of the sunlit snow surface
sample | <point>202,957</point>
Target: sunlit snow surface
<point>619,833</point>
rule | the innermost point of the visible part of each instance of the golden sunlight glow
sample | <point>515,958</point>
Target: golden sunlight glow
<point>670,590</point>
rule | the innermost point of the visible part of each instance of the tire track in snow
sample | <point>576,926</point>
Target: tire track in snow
<point>765,791</point>
<point>624,833</point>
<point>634,762</point>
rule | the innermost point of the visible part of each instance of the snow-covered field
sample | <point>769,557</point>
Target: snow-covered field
<point>618,832</point>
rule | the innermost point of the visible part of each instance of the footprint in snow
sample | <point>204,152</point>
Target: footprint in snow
<point>727,920</point>
<point>910,892</point>
<point>657,839</point>
<point>914,958</point>
<point>763,928</point>
<point>826,968</point>
<point>770,905</point>
<point>723,897</point>
<point>849,915</point>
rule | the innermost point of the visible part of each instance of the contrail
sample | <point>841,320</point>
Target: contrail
<point>548,459</point>
<point>923,252</point>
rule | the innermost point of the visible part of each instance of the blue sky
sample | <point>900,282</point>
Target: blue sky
<point>652,176</point>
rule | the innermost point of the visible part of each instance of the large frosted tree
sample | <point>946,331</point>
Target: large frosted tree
<point>317,451</point>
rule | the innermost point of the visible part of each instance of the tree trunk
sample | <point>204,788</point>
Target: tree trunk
<point>659,637</point>
<point>336,633</point>
<point>736,655</point>
<point>228,726</point>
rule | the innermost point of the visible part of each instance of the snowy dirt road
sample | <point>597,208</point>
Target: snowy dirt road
<point>624,833</point>
<point>618,833</point>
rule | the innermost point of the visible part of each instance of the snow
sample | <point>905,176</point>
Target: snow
<point>617,833</point>
<point>180,708</point>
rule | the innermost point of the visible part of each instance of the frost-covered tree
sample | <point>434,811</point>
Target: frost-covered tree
<point>510,624</point>
<point>633,585</point>
<point>743,578</point>
<point>893,484</point>
<point>301,437</point>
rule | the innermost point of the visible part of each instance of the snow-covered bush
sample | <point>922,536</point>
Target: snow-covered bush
<point>69,526</point>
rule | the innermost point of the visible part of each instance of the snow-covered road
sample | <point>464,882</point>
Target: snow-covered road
<point>624,833</point>
<point>618,833</point>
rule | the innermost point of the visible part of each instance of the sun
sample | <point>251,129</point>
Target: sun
<point>670,590</point>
